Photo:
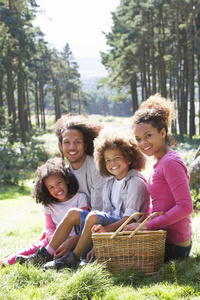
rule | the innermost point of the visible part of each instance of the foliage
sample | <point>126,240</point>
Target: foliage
<point>33,76</point>
<point>196,198</point>
<point>188,148</point>
<point>107,102</point>
<point>17,159</point>
<point>154,48</point>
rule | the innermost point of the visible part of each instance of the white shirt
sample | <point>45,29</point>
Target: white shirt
<point>115,195</point>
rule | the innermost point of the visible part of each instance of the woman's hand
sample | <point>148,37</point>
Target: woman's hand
<point>133,226</point>
<point>98,229</point>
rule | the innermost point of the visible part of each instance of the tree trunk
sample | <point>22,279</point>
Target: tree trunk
<point>28,104</point>
<point>192,107</point>
<point>153,57</point>
<point>161,47</point>
<point>10,96</point>
<point>133,84</point>
<point>37,119</point>
<point>21,107</point>
<point>178,70</point>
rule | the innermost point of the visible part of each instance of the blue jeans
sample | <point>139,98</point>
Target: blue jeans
<point>173,252</point>
<point>102,218</point>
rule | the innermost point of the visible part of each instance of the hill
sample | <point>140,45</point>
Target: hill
<point>90,69</point>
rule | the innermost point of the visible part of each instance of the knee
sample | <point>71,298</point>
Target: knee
<point>91,219</point>
<point>72,215</point>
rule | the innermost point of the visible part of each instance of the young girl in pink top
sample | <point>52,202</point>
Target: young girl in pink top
<point>168,183</point>
<point>56,188</point>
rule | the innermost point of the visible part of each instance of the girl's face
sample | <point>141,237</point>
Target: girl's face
<point>116,164</point>
<point>57,187</point>
<point>150,141</point>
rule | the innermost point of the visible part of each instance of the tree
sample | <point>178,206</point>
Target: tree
<point>154,47</point>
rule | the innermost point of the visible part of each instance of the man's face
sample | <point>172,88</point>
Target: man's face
<point>73,147</point>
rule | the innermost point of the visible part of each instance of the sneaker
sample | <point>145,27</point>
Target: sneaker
<point>39,258</point>
<point>68,261</point>
<point>21,259</point>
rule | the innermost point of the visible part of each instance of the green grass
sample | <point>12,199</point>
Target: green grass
<point>176,280</point>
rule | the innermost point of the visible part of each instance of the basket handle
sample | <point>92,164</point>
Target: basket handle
<point>139,227</point>
<point>127,221</point>
<point>144,222</point>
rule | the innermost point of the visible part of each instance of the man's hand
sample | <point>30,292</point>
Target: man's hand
<point>67,246</point>
<point>91,255</point>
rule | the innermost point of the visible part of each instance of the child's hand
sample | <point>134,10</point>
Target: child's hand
<point>98,229</point>
<point>62,250</point>
<point>67,246</point>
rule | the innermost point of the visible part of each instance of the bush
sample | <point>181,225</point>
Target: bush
<point>196,198</point>
<point>16,160</point>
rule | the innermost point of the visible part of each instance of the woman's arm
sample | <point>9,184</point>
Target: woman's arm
<point>177,180</point>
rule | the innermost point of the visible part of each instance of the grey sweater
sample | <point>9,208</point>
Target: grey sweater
<point>133,197</point>
<point>90,182</point>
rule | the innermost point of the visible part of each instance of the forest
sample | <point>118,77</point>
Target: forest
<point>154,48</point>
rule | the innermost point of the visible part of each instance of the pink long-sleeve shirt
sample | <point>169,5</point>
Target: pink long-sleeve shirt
<point>169,189</point>
<point>54,213</point>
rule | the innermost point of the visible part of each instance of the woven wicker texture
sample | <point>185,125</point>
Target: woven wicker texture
<point>143,251</point>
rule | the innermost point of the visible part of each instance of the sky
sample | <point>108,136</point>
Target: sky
<point>77,22</point>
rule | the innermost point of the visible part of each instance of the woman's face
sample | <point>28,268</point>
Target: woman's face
<point>149,140</point>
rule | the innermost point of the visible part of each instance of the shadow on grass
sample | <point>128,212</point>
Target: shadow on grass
<point>181,272</point>
<point>14,191</point>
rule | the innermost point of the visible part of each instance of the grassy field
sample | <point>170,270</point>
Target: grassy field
<point>176,280</point>
<point>21,221</point>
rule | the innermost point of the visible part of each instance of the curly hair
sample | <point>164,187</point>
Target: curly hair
<point>53,166</point>
<point>117,140</point>
<point>90,130</point>
<point>159,112</point>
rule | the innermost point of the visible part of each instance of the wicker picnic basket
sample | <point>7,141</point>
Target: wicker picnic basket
<point>141,250</point>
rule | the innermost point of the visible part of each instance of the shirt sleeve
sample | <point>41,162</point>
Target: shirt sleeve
<point>176,177</point>
<point>96,190</point>
<point>83,201</point>
<point>137,197</point>
<point>50,226</point>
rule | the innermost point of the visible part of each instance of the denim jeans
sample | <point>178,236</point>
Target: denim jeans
<point>173,252</point>
<point>102,218</point>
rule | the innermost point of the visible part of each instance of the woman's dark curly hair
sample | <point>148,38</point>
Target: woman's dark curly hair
<point>53,166</point>
<point>90,130</point>
<point>117,140</point>
<point>159,112</point>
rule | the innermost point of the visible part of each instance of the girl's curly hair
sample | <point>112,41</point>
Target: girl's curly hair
<point>90,130</point>
<point>159,112</point>
<point>117,140</point>
<point>53,166</point>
